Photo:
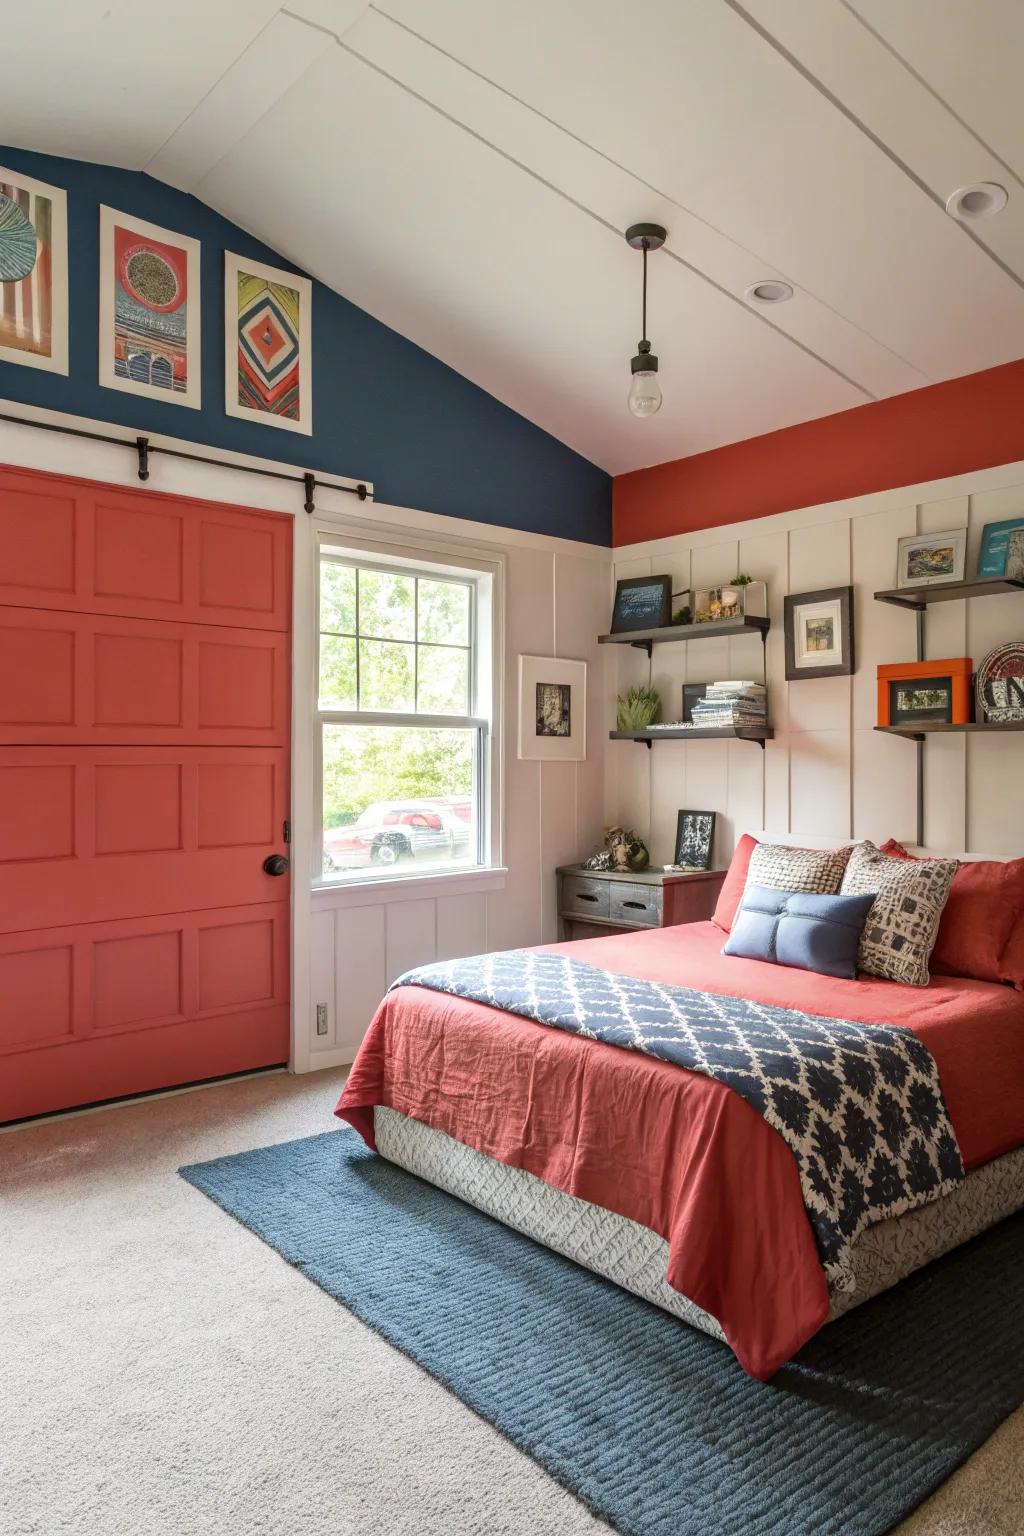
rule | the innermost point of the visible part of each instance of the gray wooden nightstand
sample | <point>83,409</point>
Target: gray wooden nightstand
<point>592,902</point>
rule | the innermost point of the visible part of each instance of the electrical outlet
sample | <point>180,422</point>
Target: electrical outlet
<point>321,1018</point>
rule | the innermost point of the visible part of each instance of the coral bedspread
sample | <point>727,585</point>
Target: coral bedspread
<point>677,1152</point>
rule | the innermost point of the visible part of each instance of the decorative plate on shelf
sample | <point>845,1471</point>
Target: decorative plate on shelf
<point>1000,683</point>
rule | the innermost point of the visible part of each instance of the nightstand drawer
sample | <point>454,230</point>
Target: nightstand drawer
<point>585,896</point>
<point>640,904</point>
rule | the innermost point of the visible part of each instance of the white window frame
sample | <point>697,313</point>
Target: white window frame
<point>429,559</point>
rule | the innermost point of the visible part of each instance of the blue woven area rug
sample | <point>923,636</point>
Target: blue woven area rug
<point>652,1425</point>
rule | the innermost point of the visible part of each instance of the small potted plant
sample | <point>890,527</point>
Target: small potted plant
<point>637,709</point>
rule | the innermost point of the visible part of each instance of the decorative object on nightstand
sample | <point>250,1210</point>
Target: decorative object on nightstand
<point>924,692</point>
<point>819,633</point>
<point>552,708</point>
<point>595,902</point>
<point>1000,684</point>
<point>1002,549</point>
<point>623,850</point>
<point>695,834</point>
<point>637,709</point>
<point>923,558</point>
<point>642,602</point>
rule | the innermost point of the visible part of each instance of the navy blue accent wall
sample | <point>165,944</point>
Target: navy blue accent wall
<point>424,435</point>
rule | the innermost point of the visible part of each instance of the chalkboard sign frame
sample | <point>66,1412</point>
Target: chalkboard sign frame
<point>636,613</point>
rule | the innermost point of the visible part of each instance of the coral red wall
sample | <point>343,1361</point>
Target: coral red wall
<point>945,429</point>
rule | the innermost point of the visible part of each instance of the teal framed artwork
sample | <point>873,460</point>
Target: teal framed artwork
<point>1002,549</point>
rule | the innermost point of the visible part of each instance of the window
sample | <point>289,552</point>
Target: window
<point>404,713</point>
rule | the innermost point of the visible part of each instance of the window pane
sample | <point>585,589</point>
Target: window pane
<point>387,605</point>
<point>337,672</point>
<point>337,597</point>
<point>443,683</point>
<point>386,674</point>
<point>444,612</point>
<point>399,798</point>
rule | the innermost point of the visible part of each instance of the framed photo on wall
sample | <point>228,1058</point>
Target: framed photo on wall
<point>819,633</point>
<point>552,709</point>
<point>642,602</point>
<point>33,273</point>
<point>268,347</point>
<point>149,310</point>
<point>695,836</point>
<point>922,559</point>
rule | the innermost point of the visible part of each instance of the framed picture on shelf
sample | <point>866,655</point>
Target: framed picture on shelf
<point>695,836</point>
<point>922,559</point>
<point>642,602</point>
<point>692,694</point>
<point>925,692</point>
<point>819,633</point>
<point>1002,549</point>
<point>552,709</point>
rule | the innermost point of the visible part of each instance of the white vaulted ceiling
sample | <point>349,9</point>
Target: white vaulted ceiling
<point>464,170</point>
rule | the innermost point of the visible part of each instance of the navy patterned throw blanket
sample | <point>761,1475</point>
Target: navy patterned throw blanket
<point>859,1105</point>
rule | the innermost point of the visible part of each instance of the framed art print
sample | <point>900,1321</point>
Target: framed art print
<point>149,310</point>
<point>268,359</point>
<point>819,633</point>
<point>695,834</point>
<point>1002,549</point>
<point>925,558</point>
<point>33,273</point>
<point>642,602</point>
<point>552,709</point>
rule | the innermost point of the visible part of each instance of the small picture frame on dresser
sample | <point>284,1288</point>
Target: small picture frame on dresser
<point>695,836</point>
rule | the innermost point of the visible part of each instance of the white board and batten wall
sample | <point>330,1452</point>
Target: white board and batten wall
<point>556,603</point>
<point>827,774</point>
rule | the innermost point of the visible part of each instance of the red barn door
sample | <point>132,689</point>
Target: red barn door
<point>144,750</point>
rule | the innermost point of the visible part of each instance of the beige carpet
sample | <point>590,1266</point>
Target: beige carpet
<point>163,1373</point>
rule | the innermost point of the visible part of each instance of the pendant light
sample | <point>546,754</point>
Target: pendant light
<point>644,396</point>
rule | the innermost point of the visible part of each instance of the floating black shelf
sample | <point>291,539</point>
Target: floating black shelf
<point>919,732</point>
<point>758,733</point>
<point>917,598</point>
<point>714,629</point>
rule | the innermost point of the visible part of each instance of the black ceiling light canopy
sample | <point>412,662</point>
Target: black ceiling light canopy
<point>644,396</point>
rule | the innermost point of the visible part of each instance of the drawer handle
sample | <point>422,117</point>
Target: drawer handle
<point>641,906</point>
<point>585,896</point>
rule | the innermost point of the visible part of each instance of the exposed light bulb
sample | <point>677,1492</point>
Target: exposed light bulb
<point>644,397</point>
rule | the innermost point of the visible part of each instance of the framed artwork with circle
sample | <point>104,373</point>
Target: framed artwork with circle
<point>819,633</point>
<point>149,310</point>
<point>33,273</point>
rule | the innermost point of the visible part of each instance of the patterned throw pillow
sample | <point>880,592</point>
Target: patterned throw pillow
<point>817,870</point>
<point>903,923</point>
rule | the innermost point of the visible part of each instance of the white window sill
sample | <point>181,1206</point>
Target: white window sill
<point>330,894</point>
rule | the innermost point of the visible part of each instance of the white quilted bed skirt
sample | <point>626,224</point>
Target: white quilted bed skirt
<point>636,1258</point>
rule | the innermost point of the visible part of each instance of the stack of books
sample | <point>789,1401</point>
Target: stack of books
<point>731,704</point>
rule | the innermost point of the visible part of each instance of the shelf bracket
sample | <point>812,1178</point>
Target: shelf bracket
<point>643,645</point>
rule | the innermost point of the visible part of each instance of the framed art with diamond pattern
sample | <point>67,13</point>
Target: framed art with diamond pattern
<point>268,361</point>
<point>149,310</point>
<point>33,273</point>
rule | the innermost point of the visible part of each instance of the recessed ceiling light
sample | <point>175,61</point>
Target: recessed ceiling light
<point>771,291</point>
<point>978,201</point>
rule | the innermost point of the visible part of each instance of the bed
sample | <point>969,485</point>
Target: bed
<point>664,1180</point>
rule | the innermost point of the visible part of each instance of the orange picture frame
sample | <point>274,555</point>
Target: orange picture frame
<point>959,670</point>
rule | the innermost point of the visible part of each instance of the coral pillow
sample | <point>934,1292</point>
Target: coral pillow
<point>981,918</point>
<point>731,894</point>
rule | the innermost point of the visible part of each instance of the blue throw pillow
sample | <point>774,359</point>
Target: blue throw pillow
<point>812,933</point>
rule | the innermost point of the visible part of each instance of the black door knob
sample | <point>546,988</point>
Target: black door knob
<point>275,864</point>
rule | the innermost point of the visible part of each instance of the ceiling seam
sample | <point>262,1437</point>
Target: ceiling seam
<point>190,114</point>
<point>869,133</point>
<point>617,165</point>
<point>591,213</point>
<point>936,95</point>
